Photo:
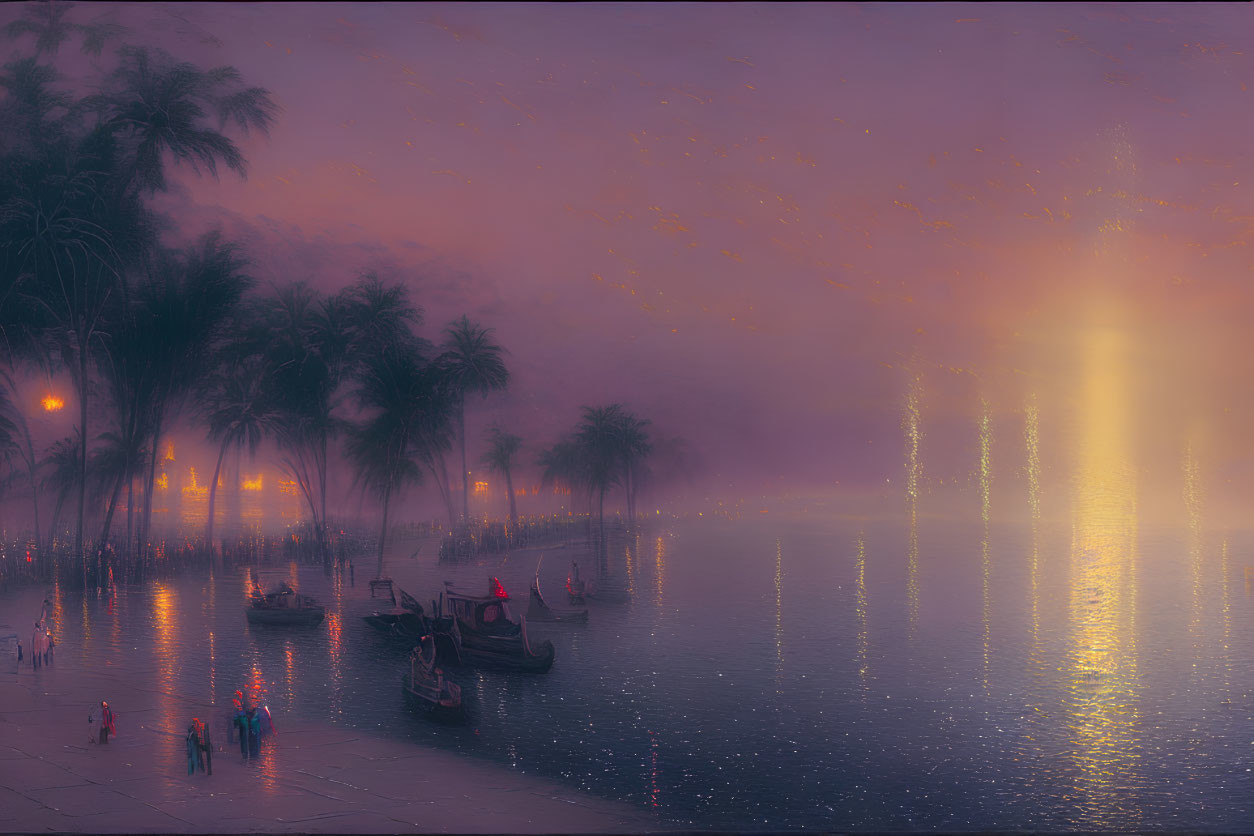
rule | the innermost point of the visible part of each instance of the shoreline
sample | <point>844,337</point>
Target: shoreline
<point>312,778</point>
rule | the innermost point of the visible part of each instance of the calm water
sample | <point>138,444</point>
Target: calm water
<point>805,674</point>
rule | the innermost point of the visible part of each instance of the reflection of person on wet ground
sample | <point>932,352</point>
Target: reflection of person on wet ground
<point>254,734</point>
<point>204,746</point>
<point>241,726</point>
<point>193,749</point>
<point>37,642</point>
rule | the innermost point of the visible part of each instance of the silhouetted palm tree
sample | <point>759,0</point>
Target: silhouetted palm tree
<point>47,22</point>
<point>500,458</point>
<point>157,106</point>
<point>185,304</point>
<point>471,362</point>
<point>405,407</point>
<point>633,449</point>
<point>239,415</point>
<point>597,446</point>
<point>61,474</point>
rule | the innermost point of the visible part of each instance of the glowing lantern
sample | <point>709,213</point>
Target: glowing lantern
<point>496,590</point>
<point>52,403</point>
<point>481,487</point>
<point>251,484</point>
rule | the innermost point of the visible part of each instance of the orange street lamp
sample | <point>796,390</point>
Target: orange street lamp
<point>52,403</point>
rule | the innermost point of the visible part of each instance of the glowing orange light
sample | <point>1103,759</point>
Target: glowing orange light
<point>288,488</point>
<point>163,482</point>
<point>169,452</point>
<point>194,487</point>
<point>481,487</point>
<point>52,403</point>
<point>247,484</point>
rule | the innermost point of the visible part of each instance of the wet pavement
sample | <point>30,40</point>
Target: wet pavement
<point>314,777</point>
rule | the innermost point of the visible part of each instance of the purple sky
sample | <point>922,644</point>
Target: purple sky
<point>746,221</point>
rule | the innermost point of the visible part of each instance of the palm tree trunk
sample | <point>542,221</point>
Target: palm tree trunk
<point>509,486</point>
<point>322,486</point>
<point>56,514</point>
<point>146,520</point>
<point>465,473</point>
<point>383,532</point>
<point>213,495</point>
<point>32,464</point>
<point>113,504</point>
<point>604,550</point>
<point>82,460</point>
<point>130,516</point>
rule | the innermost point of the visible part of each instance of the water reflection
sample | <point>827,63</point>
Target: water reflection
<point>779,615</point>
<point>913,471</point>
<point>1226,614</point>
<point>986,486</point>
<point>1031,442</point>
<point>862,611</point>
<point>1193,510</point>
<point>335,643</point>
<point>166,647</point>
<point>659,570</point>
<point>1101,665</point>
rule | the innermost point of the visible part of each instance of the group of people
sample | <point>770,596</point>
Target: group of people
<point>252,724</point>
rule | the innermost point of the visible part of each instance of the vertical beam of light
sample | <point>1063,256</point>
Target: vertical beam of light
<point>862,611</point>
<point>986,487</point>
<point>335,642</point>
<point>1101,670</point>
<point>913,431</point>
<point>1226,612</point>
<point>779,616</point>
<point>211,607</point>
<point>1193,509</point>
<point>1031,442</point>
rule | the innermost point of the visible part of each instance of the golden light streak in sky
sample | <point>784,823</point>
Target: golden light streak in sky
<point>986,487</point>
<point>1101,669</point>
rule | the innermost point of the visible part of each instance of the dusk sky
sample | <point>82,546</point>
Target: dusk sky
<point>755,223</point>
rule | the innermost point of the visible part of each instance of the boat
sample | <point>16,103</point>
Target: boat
<point>406,621</point>
<point>575,587</point>
<point>425,686</point>
<point>539,609</point>
<point>487,634</point>
<point>284,607</point>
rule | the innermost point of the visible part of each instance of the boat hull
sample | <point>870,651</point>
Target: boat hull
<point>425,698</point>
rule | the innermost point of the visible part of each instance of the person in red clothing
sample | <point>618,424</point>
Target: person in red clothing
<point>105,723</point>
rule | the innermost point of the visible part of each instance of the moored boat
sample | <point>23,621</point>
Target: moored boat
<point>426,687</point>
<point>283,608</point>
<point>489,636</point>
<point>539,610</point>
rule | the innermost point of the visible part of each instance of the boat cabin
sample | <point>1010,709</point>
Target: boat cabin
<point>487,613</point>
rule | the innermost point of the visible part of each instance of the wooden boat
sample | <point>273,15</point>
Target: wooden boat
<point>284,608</point>
<point>425,686</point>
<point>539,610</point>
<point>487,634</point>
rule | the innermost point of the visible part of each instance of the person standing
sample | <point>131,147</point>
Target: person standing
<point>105,725</point>
<point>241,724</point>
<point>254,734</point>
<point>205,744</point>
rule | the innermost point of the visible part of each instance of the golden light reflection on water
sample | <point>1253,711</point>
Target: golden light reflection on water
<point>659,569</point>
<point>1101,670</point>
<point>1226,614</point>
<point>335,642</point>
<point>165,629</point>
<point>779,615</point>
<point>862,610</point>
<point>913,429</point>
<point>1031,442</point>
<point>986,487</point>
<point>1193,510</point>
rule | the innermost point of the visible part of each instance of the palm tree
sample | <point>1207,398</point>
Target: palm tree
<point>500,458</point>
<point>46,21</point>
<point>633,449</point>
<point>185,305</point>
<point>471,362</point>
<point>598,449</point>
<point>160,106</point>
<point>61,475</point>
<point>406,407</point>
<point>239,414</point>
